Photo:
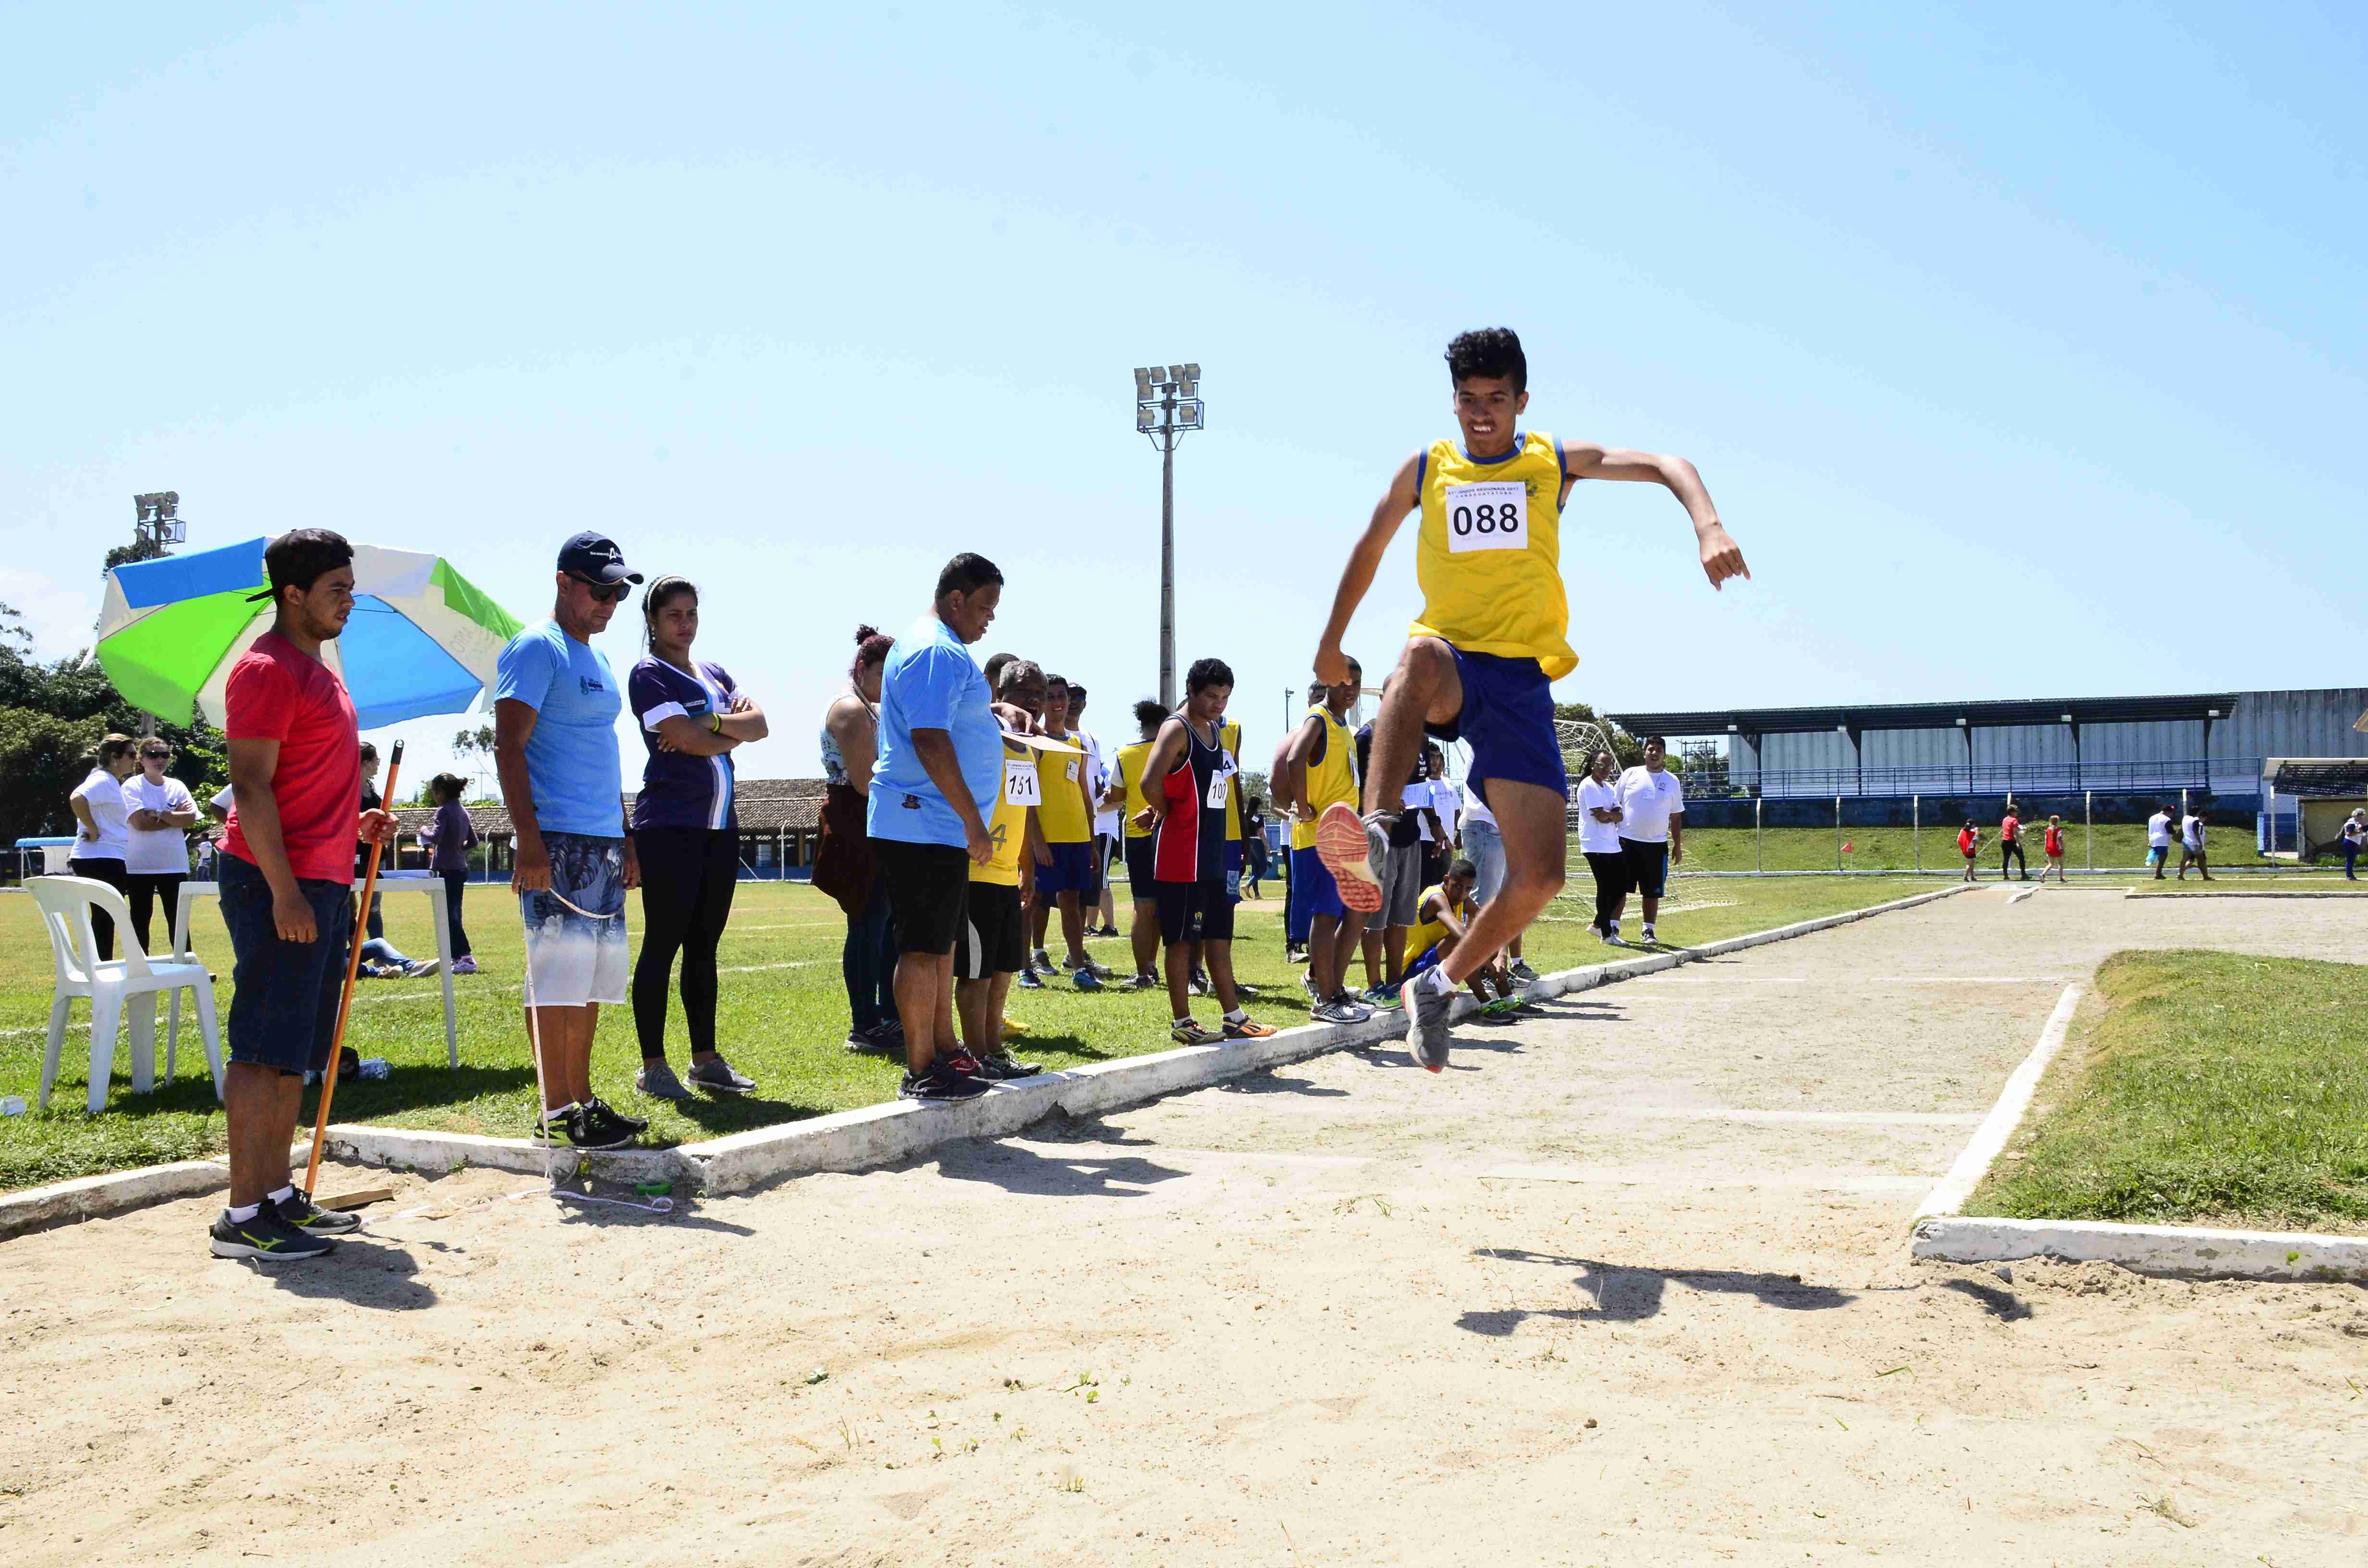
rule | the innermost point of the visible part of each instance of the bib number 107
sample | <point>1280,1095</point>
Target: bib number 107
<point>1495,516</point>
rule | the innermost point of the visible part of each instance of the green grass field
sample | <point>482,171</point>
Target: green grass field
<point>1896,849</point>
<point>2216,1088</point>
<point>783,1021</point>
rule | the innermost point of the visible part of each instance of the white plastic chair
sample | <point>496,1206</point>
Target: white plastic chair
<point>66,904</point>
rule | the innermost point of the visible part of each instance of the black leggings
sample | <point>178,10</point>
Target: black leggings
<point>102,925</point>
<point>1611,884</point>
<point>2012,849</point>
<point>688,875</point>
<point>456,887</point>
<point>147,890</point>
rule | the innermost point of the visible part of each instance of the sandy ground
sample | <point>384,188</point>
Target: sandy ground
<point>1627,1285</point>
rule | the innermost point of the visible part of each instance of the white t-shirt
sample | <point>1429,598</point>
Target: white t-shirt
<point>1474,808</point>
<point>1650,800</point>
<point>2192,831</point>
<point>1099,776</point>
<point>104,795</point>
<point>154,851</point>
<point>2159,830</point>
<point>1598,838</point>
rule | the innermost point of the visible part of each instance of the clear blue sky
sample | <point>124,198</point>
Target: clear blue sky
<point>799,305</point>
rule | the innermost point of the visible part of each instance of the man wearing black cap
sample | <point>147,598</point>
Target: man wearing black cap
<point>555,707</point>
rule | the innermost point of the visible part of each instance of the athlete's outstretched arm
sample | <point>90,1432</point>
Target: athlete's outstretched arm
<point>1331,666</point>
<point>1720,558</point>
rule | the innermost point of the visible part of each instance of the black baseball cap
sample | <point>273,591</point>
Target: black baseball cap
<point>596,558</point>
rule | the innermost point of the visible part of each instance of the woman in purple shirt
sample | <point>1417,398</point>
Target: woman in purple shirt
<point>448,839</point>
<point>686,835</point>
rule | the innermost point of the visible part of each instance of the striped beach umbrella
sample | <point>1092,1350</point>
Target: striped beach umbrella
<point>422,638</point>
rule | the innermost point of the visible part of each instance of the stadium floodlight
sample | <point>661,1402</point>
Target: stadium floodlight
<point>1734,729</point>
<point>1961,723</point>
<point>2064,718</point>
<point>2212,712</point>
<point>1166,403</point>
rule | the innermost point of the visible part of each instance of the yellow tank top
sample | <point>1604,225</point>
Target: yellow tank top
<point>1129,773</point>
<point>1229,735</point>
<point>1063,818</point>
<point>1489,553</point>
<point>1330,778</point>
<point>1007,829</point>
<point>1428,928</point>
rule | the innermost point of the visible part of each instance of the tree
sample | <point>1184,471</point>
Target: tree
<point>41,758</point>
<point>1625,749</point>
<point>477,744</point>
<point>52,713</point>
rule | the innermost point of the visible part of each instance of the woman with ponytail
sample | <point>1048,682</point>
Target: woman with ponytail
<point>844,865</point>
<point>685,832</point>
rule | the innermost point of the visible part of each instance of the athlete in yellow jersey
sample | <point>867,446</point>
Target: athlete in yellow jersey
<point>1125,793</point>
<point>1319,770</point>
<point>1491,637</point>
<point>1441,922</point>
<point>992,945</point>
<point>1066,819</point>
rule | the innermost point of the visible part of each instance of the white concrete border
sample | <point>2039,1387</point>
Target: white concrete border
<point>1940,1232</point>
<point>878,1134</point>
<point>93,1197</point>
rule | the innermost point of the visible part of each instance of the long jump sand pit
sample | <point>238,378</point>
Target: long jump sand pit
<point>1628,1284</point>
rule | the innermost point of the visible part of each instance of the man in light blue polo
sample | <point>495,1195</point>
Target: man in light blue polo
<point>940,773</point>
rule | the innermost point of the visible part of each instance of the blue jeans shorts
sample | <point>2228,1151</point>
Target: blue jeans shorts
<point>1508,719</point>
<point>577,956</point>
<point>283,1006</point>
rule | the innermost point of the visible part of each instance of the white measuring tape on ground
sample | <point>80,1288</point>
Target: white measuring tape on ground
<point>543,1097</point>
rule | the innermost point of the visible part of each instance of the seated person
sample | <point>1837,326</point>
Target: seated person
<point>1440,915</point>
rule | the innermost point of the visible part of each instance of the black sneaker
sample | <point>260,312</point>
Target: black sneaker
<point>879,1037</point>
<point>600,1111</point>
<point>1002,1067</point>
<point>721,1077</point>
<point>267,1238</point>
<point>941,1083</point>
<point>299,1211</point>
<point>576,1129</point>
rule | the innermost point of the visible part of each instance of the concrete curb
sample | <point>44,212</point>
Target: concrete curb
<point>2194,1254</point>
<point>94,1197</point>
<point>880,1135</point>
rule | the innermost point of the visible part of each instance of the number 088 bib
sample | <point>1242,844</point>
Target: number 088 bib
<point>1494,516</point>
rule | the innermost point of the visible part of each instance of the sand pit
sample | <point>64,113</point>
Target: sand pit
<point>1626,1285</point>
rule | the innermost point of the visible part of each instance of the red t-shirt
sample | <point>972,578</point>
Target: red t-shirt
<point>1964,841</point>
<point>278,692</point>
<point>2011,829</point>
<point>2056,841</point>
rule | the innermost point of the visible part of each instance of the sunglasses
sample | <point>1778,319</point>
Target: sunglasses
<point>605,593</point>
<point>155,756</point>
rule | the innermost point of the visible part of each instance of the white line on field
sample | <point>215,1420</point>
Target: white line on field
<point>1999,1125</point>
<point>1816,1117</point>
<point>1663,1177</point>
<point>1861,980</point>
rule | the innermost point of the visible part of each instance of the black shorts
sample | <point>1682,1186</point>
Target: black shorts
<point>284,996</point>
<point>928,889</point>
<point>1648,866</point>
<point>1194,912</point>
<point>995,935</point>
<point>1139,880</point>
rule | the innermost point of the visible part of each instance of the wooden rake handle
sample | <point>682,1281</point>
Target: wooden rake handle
<point>353,973</point>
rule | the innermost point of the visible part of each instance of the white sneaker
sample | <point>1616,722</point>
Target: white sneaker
<point>1648,932</point>
<point>1613,939</point>
<point>1043,960</point>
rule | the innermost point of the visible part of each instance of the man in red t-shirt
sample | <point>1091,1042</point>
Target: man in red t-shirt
<point>2011,843</point>
<point>295,778</point>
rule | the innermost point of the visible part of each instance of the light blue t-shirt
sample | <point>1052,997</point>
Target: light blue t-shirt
<point>572,762</point>
<point>930,682</point>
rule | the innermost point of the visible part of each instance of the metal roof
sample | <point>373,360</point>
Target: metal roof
<point>2341,777</point>
<point>1930,715</point>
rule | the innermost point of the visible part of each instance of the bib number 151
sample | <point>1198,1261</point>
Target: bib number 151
<point>1495,516</point>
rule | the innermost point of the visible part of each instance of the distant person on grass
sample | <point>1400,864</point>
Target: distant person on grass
<point>2351,841</point>
<point>2159,830</point>
<point>1287,816</point>
<point>2010,844</point>
<point>102,837</point>
<point>686,835</point>
<point>382,959</point>
<point>1189,778</point>
<point>1066,819</point>
<point>1969,845</point>
<point>158,813</point>
<point>1126,795</point>
<point>1652,827</point>
<point>1106,821</point>
<point>1598,840</point>
<point>1319,771</point>
<point>845,866</point>
<point>993,945</point>
<point>555,708</point>
<point>2191,845</point>
<point>448,839</point>
<point>287,864</point>
<point>940,770</point>
<point>1441,917</point>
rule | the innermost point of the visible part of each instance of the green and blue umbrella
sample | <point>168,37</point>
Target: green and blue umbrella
<point>422,638</point>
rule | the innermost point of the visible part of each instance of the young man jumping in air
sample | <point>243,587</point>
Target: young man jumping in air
<point>1491,638</point>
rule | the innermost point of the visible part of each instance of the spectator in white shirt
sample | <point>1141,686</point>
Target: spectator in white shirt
<point>2158,842</point>
<point>102,837</point>
<point>2191,845</point>
<point>158,813</point>
<point>1652,827</point>
<point>1598,840</point>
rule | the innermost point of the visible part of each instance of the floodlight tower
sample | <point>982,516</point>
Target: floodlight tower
<point>1166,403</point>
<point>156,524</point>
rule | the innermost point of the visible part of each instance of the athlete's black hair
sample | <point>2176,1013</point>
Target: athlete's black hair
<point>295,559</point>
<point>966,573</point>
<point>1656,741</point>
<point>370,751</point>
<point>448,786</point>
<point>1013,672</point>
<point>1492,351</point>
<point>1150,715</point>
<point>1206,673</point>
<point>1465,868</point>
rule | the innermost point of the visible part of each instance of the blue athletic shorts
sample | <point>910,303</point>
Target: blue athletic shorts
<point>1508,720</point>
<point>1072,871</point>
<point>1313,890</point>
<point>284,996</point>
<point>1430,960</point>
